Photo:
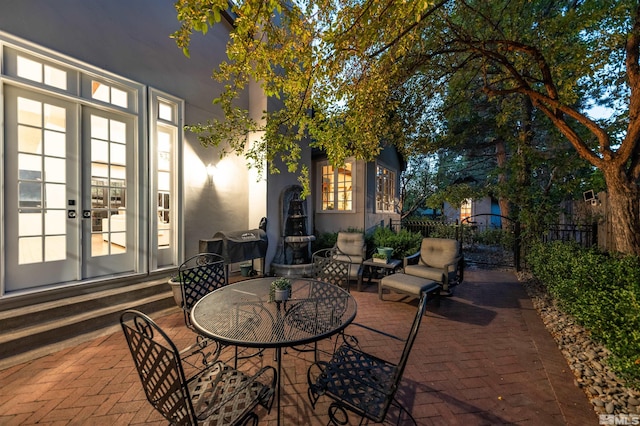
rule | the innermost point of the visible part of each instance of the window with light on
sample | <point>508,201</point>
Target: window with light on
<point>385,189</point>
<point>337,187</point>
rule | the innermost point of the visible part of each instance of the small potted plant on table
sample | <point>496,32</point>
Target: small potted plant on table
<point>280,290</point>
<point>386,251</point>
<point>380,258</point>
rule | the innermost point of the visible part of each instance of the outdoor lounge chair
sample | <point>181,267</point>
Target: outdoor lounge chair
<point>439,259</point>
<point>351,247</point>
<point>359,382</point>
<point>216,395</point>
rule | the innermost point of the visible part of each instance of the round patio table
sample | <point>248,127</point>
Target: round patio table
<point>241,314</point>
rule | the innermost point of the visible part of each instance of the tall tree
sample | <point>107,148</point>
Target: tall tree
<point>345,62</point>
<point>576,49</point>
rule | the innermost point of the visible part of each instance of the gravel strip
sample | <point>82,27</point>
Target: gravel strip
<point>588,360</point>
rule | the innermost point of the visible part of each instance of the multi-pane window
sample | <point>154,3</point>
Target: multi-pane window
<point>166,130</point>
<point>337,187</point>
<point>385,189</point>
<point>166,136</point>
<point>109,94</point>
<point>465,209</point>
<point>40,72</point>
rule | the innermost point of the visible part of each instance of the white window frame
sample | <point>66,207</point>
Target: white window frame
<point>164,255</point>
<point>337,189</point>
<point>385,189</point>
<point>466,209</point>
<point>80,77</point>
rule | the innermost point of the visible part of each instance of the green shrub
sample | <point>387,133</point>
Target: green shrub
<point>601,291</point>
<point>494,237</point>
<point>444,231</point>
<point>404,243</point>
<point>324,240</point>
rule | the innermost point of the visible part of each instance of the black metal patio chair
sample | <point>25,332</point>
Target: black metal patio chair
<point>199,276</point>
<point>360,382</point>
<point>216,395</point>
<point>329,267</point>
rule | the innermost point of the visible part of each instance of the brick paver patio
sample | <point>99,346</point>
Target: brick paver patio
<point>483,357</point>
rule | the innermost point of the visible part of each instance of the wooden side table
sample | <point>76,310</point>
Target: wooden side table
<point>370,267</point>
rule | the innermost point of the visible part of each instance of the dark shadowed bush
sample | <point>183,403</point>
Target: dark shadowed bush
<point>404,243</point>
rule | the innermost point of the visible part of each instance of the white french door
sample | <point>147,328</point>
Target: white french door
<point>108,195</point>
<point>41,228</point>
<point>69,199</point>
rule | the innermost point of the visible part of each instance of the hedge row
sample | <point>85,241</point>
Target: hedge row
<point>601,291</point>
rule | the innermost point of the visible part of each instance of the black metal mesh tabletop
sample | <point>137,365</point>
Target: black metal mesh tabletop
<point>241,314</point>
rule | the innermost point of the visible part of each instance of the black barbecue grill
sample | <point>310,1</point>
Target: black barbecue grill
<point>237,246</point>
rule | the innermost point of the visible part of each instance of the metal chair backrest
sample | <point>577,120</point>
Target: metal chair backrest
<point>157,361</point>
<point>331,270</point>
<point>362,382</point>
<point>411,338</point>
<point>199,276</point>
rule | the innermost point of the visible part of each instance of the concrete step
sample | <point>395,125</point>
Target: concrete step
<point>32,331</point>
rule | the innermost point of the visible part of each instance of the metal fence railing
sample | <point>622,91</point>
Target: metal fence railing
<point>585,235</point>
<point>467,234</point>
<point>427,228</point>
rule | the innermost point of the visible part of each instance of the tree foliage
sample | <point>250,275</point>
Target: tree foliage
<point>351,75</point>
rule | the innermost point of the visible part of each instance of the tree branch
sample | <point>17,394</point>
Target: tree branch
<point>408,29</point>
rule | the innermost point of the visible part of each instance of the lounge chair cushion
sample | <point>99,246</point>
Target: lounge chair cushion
<point>438,252</point>
<point>407,284</point>
<point>352,245</point>
<point>424,271</point>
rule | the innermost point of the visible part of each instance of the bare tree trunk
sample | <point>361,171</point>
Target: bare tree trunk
<point>624,211</point>
<point>501,158</point>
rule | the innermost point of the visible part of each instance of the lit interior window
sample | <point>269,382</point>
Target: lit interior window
<point>165,112</point>
<point>337,187</point>
<point>36,71</point>
<point>385,189</point>
<point>106,93</point>
<point>465,209</point>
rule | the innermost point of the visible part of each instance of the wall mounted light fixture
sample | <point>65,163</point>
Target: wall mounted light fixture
<point>211,169</point>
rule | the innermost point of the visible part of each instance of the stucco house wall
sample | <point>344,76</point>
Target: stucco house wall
<point>131,39</point>
<point>364,215</point>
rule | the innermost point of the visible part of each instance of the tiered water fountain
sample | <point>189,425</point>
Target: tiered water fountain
<point>292,259</point>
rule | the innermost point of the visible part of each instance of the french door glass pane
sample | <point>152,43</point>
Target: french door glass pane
<point>54,118</point>
<point>55,170</point>
<point>29,224</point>
<point>55,143</point>
<point>55,248</point>
<point>42,191</point>
<point>54,221</point>
<point>108,186</point>
<point>29,250</point>
<point>55,196</point>
<point>29,112</point>
<point>118,131</point>
<point>29,140</point>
